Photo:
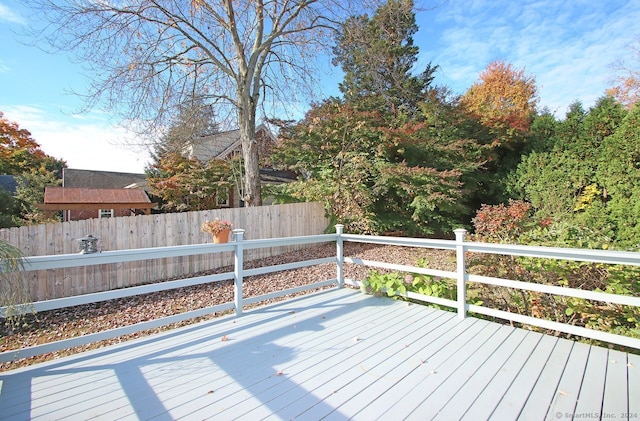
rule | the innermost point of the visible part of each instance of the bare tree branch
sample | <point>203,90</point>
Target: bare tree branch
<point>147,56</point>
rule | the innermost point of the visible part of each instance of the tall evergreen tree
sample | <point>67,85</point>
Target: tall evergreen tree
<point>195,120</point>
<point>182,183</point>
<point>379,157</point>
<point>377,56</point>
<point>584,178</point>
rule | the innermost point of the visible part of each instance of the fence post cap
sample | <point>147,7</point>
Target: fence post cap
<point>238,234</point>
<point>460,232</point>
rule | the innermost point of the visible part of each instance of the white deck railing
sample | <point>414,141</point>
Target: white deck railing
<point>238,246</point>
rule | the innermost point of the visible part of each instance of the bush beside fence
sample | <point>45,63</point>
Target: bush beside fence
<point>147,231</point>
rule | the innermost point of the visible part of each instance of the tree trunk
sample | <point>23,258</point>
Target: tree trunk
<point>252,188</point>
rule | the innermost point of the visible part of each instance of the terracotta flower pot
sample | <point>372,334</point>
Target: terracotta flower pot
<point>221,237</point>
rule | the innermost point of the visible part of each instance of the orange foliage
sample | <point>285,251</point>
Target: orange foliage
<point>18,151</point>
<point>504,99</point>
<point>627,91</point>
<point>626,84</point>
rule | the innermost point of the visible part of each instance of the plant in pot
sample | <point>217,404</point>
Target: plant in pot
<point>219,229</point>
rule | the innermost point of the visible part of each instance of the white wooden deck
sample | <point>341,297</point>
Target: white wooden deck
<point>336,355</point>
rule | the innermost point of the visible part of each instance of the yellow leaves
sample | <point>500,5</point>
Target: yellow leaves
<point>590,193</point>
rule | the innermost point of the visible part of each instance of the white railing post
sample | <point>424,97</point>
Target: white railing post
<point>461,287</point>
<point>340,255</point>
<point>238,262</point>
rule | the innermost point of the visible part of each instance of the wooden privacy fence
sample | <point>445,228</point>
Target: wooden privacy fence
<point>147,231</point>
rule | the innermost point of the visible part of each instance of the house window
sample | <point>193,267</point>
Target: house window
<point>223,202</point>
<point>105,213</point>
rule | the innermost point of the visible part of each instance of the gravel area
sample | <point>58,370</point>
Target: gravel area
<point>70,322</point>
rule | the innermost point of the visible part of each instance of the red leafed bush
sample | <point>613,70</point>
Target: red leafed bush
<point>500,223</point>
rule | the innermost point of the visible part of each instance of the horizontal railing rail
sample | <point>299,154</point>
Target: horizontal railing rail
<point>462,278</point>
<point>237,247</point>
<point>237,275</point>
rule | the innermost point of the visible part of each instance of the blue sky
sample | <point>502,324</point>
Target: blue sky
<point>568,46</point>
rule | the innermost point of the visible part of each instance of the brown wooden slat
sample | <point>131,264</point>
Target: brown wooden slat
<point>155,231</point>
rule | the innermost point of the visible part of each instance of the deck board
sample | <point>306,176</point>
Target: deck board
<point>332,355</point>
<point>616,374</point>
<point>633,379</point>
<point>566,395</point>
<point>590,399</point>
<point>479,380</point>
<point>546,384</point>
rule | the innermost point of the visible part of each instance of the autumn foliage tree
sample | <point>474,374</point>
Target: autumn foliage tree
<point>371,177</point>
<point>186,184</point>
<point>503,100</point>
<point>501,106</point>
<point>626,82</point>
<point>19,152</point>
<point>21,157</point>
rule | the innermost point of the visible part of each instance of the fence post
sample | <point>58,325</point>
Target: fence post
<point>238,262</point>
<point>340,255</point>
<point>461,287</point>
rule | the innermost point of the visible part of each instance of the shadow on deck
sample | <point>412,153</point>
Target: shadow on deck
<point>338,355</point>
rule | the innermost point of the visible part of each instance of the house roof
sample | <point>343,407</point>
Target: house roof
<point>100,179</point>
<point>271,176</point>
<point>77,198</point>
<point>221,145</point>
<point>9,183</point>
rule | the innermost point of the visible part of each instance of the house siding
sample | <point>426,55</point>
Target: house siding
<point>78,215</point>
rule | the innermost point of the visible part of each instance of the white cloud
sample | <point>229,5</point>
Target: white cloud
<point>6,14</point>
<point>567,46</point>
<point>86,143</point>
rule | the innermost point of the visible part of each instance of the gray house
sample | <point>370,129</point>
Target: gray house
<point>226,145</point>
